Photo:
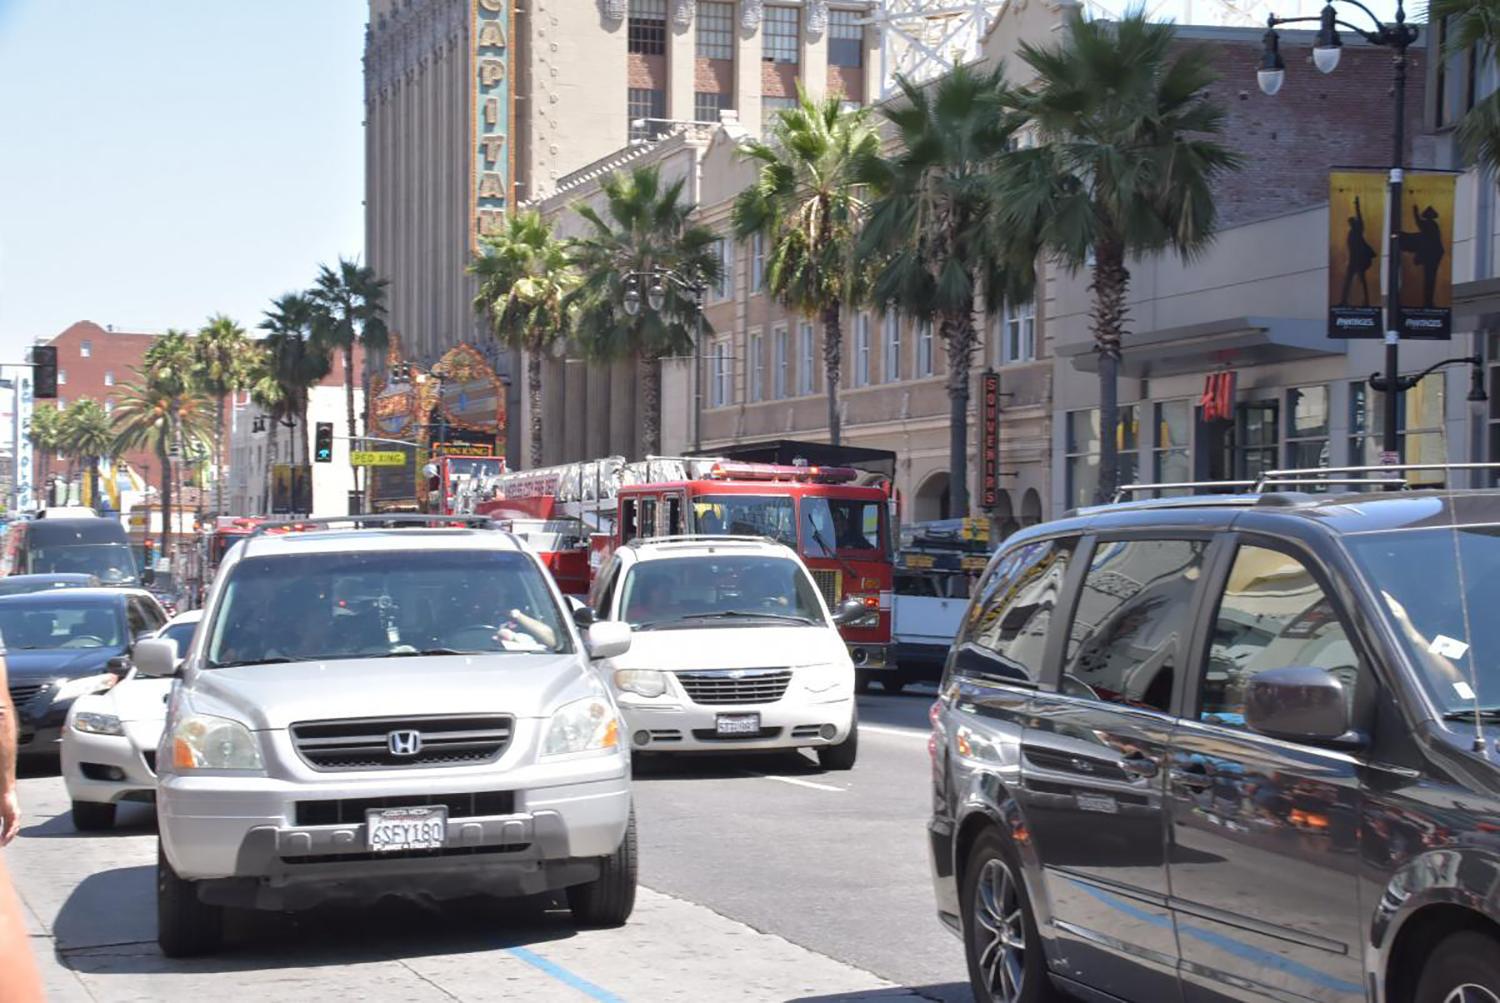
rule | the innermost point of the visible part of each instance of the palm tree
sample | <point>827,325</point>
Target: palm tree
<point>1124,165</point>
<point>524,276</point>
<point>806,205</point>
<point>647,226</point>
<point>44,432</point>
<point>85,433</point>
<point>1474,25</point>
<point>348,309</point>
<point>931,230</point>
<point>219,370</point>
<point>299,361</point>
<point>267,393</point>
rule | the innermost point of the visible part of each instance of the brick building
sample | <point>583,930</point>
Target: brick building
<point>96,362</point>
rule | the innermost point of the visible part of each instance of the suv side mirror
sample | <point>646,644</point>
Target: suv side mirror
<point>583,615</point>
<point>606,639</point>
<point>849,610</point>
<point>155,656</point>
<point>1300,704</point>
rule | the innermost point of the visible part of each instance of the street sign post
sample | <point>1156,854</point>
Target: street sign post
<point>376,458</point>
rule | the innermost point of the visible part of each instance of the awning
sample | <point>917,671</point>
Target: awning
<point>1237,341</point>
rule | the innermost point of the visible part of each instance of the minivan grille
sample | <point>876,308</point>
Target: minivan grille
<point>735,686</point>
<point>828,584</point>
<point>365,743</point>
<point>23,693</point>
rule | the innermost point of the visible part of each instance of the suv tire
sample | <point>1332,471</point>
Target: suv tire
<point>609,899</point>
<point>91,816</point>
<point>1467,959</point>
<point>1000,922</point>
<point>185,926</point>
<point>843,755</point>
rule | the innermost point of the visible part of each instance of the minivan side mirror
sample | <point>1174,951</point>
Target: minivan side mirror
<point>1301,703</point>
<point>155,656</point>
<point>850,610</point>
<point>606,639</point>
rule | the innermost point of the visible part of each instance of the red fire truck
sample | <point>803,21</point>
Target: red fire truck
<point>840,528</point>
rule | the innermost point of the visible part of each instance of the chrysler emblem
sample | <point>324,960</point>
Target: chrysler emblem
<point>404,743</point>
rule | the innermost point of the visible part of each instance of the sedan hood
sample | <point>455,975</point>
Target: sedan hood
<point>732,648</point>
<point>35,665</point>
<point>271,697</point>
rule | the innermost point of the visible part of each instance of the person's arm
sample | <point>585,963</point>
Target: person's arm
<point>20,982</point>
<point>1357,214</point>
<point>10,807</point>
<point>535,628</point>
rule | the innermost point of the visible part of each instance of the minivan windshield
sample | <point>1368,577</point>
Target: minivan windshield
<point>1438,586</point>
<point>112,563</point>
<point>314,606</point>
<point>718,590</point>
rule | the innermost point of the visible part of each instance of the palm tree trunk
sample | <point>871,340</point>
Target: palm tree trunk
<point>165,550</point>
<point>833,355</point>
<point>959,339</point>
<point>219,459</point>
<point>1109,286</point>
<point>648,370</point>
<point>265,494</point>
<point>349,400</point>
<point>534,392</point>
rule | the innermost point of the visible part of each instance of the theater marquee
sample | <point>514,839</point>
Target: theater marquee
<point>491,178</point>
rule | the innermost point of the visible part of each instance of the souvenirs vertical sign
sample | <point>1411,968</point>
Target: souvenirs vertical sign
<point>989,447</point>
<point>491,178</point>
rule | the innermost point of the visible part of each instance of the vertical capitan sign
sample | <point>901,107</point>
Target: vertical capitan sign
<point>492,174</point>
<point>989,446</point>
<point>1426,256</point>
<point>1356,224</point>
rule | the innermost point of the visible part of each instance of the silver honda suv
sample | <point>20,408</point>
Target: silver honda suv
<point>369,711</point>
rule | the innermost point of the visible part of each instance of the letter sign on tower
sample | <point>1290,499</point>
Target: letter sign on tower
<point>491,109</point>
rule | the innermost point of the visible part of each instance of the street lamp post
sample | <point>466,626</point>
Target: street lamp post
<point>1397,36</point>
<point>656,298</point>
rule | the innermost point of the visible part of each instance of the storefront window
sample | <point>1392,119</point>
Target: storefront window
<point>1307,427</point>
<point>1258,439</point>
<point>1172,459</point>
<point>1083,446</point>
<point>1420,424</point>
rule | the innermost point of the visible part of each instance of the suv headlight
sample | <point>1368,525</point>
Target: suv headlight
<point>72,689</point>
<point>205,742</point>
<point>641,682</point>
<point>586,725</point>
<point>98,724</point>
<point>819,678</point>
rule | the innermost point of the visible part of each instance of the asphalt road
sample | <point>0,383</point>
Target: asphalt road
<point>762,879</point>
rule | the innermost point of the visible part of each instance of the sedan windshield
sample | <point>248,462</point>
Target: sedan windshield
<point>713,589</point>
<point>1438,588</point>
<point>302,607</point>
<point>60,625</point>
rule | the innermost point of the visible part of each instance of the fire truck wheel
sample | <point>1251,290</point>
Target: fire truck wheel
<point>861,681</point>
<point>892,684</point>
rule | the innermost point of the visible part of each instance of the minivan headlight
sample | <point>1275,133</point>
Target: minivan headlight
<point>641,682</point>
<point>586,725</point>
<point>206,742</point>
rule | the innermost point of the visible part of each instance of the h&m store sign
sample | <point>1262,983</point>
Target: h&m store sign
<point>491,109</point>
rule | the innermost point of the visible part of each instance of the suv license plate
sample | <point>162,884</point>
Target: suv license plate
<point>737,724</point>
<point>393,829</point>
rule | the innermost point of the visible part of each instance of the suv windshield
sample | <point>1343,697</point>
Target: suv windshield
<point>301,607</point>
<point>1455,644</point>
<point>725,589</point>
<point>113,563</point>
<point>60,624</point>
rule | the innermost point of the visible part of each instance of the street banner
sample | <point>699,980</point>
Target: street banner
<point>1356,223</point>
<point>1426,228</point>
<point>291,489</point>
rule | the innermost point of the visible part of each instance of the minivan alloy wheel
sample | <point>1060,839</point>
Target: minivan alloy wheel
<point>1000,933</point>
<point>1470,993</point>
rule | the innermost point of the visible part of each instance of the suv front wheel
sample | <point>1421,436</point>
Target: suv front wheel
<point>1464,969</point>
<point>1004,952</point>
<point>609,899</point>
<point>185,926</point>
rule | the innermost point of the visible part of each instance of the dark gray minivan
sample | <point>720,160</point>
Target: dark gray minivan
<point>1230,748</point>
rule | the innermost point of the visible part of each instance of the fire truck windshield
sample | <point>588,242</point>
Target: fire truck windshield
<point>833,526</point>
<point>746,515</point>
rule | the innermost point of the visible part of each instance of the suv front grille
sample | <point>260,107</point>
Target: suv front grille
<point>23,693</point>
<point>735,686</point>
<point>828,584</point>
<point>351,811</point>
<point>365,743</point>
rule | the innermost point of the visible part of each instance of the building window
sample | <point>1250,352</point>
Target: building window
<point>757,368</point>
<point>1082,450</point>
<point>715,30</point>
<point>708,104</point>
<point>85,349</point>
<point>924,348</point>
<point>779,35</point>
<point>1018,333</point>
<point>1419,424</point>
<point>862,350</point>
<point>646,29</point>
<point>805,359</point>
<point>891,349</point>
<point>1171,456</point>
<point>109,377</point>
<point>109,405</point>
<point>723,289</point>
<point>778,363</point>
<point>846,39</point>
<point>771,105</point>
<point>643,106</point>
<point>62,377</point>
<point>1257,439</point>
<point>1307,427</point>
<point>721,389</point>
<point>757,263</point>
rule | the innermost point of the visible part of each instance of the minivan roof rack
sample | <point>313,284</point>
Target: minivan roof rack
<point>702,538</point>
<point>380,520</point>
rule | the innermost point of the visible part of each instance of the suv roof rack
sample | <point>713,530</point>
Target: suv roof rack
<point>703,538</point>
<point>1221,487</point>
<point>380,520</point>
<point>1326,475</point>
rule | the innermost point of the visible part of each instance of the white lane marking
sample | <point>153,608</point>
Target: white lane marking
<point>797,781</point>
<point>903,732</point>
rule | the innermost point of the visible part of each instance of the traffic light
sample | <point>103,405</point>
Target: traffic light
<point>149,553</point>
<point>323,442</point>
<point>44,373</point>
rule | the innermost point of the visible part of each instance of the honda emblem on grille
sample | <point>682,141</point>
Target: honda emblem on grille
<point>405,743</point>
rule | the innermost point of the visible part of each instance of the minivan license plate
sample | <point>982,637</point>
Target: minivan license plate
<point>392,829</point>
<point>737,724</point>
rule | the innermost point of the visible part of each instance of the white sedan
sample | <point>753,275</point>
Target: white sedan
<point>109,741</point>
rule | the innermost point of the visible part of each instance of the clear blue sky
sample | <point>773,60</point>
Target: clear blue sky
<point>161,160</point>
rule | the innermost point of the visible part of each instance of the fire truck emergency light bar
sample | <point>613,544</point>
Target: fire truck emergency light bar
<point>780,472</point>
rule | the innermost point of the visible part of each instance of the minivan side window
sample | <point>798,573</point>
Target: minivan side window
<point>1131,616</point>
<point>1272,615</point>
<point>1004,635</point>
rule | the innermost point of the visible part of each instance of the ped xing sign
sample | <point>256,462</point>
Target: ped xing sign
<point>377,458</point>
